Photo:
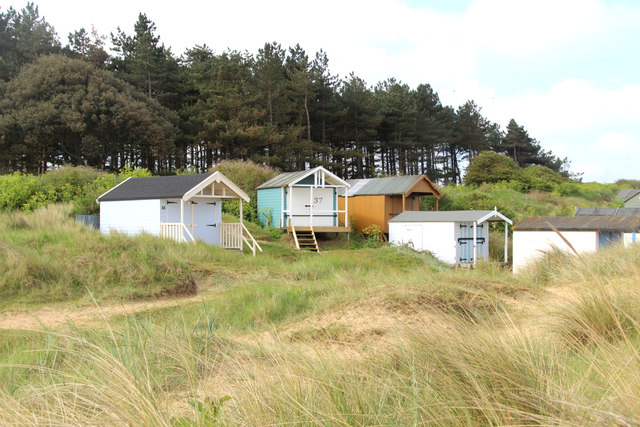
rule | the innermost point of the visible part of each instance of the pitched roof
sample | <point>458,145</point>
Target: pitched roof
<point>450,216</point>
<point>626,194</point>
<point>393,185</point>
<point>287,178</point>
<point>579,223</point>
<point>607,212</point>
<point>165,187</point>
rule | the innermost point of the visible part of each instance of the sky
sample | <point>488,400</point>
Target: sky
<point>566,70</point>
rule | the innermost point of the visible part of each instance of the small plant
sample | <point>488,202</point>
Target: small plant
<point>207,412</point>
<point>276,233</point>
<point>373,236</point>
<point>268,215</point>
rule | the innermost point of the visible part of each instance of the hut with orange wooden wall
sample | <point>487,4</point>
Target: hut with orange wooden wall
<point>377,200</point>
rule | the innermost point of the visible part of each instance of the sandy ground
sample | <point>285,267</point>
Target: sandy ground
<point>47,317</point>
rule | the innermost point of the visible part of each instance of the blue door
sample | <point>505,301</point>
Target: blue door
<point>465,241</point>
<point>609,238</point>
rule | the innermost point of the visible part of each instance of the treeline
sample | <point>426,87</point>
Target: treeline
<point>141,105</point>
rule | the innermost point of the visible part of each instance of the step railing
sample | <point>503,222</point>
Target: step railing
<point>295,236</point>
<point>175,231</point>
<point>231,235</point>
<point>253,244</point>
<point>234,234</point>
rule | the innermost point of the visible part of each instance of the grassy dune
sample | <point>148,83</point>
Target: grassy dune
<point>348,337</point>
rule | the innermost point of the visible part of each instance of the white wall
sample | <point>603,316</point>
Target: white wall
<point>628,239</point>
<point>436,237</point>
<point>531,245</point>
<point>130,216</point>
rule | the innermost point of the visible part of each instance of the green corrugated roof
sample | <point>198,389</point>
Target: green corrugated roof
<point>283,179</point>
<point>287,178</point>
<point>383,186</point>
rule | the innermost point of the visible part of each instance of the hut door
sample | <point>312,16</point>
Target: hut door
<point>464,241</point>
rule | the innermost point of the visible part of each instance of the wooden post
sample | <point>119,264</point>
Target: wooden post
<point>403,202</point>
<point>475,246</point>
<point>310,206</point>
<point>281,207</point>
<point>346,209</point>
<point>240,211</point>
<point>182,219</point>
<point>506,242</point>
<point>191,204</point>
<point>290,205</point>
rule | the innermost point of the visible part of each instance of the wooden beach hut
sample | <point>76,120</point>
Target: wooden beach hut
<point>377,200</point>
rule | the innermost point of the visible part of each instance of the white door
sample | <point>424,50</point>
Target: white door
<point>322,202</point>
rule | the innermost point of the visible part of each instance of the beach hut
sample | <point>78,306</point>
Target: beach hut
<point>184,208</point>
<point>455,237</point>
<point>534,236</point>
<point>303,203</point>
<point>377,200</point>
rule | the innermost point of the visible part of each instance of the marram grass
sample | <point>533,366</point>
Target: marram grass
<point>481,347</point>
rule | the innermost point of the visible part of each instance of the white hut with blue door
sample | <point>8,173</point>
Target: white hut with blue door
<point>303,203</point>
<point>184,208</point>
<point>455,237</point>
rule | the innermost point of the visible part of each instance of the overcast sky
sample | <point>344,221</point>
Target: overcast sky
<point>567,70</point>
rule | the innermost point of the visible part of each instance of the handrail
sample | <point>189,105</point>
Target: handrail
<point>255,243</point>
<point>293,230</point>
<point>188,232</point>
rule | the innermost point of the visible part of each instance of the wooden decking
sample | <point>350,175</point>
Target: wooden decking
<point>320,229</point>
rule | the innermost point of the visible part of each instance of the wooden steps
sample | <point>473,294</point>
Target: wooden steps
<point>305,239</point>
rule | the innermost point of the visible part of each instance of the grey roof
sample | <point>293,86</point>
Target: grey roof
<point>287,178</point>
<point>579,223</point>
<point>155,187</point>
<point>283,179</point>
<point>392,185</point>
<point>626,194</point>
<point>607,212</point>
<point>447,216</point>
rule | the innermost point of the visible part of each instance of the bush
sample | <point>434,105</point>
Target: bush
<point>541,178</point>
<point>248,176</point>
<point>491,167</point>
<point>16,190</point>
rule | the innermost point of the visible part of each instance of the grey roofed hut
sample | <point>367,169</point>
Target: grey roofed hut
<point>184,208</point>
<point>607,212</point>
<point>455,237</point>
<point>534,236</point>
<point>374,201</point>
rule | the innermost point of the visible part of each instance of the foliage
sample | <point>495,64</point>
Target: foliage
<point>247,176</point>
<point>79,185</point>
<point>373,236</point>
<point>375,336</point>
<point>490,167</point>
<point>139,104</point>
<point>48,257</point>
<point>97,114</point>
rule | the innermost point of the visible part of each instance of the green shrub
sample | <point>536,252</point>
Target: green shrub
<point>491,167</point>
<point>16,190</point>
<point>541,178</point>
